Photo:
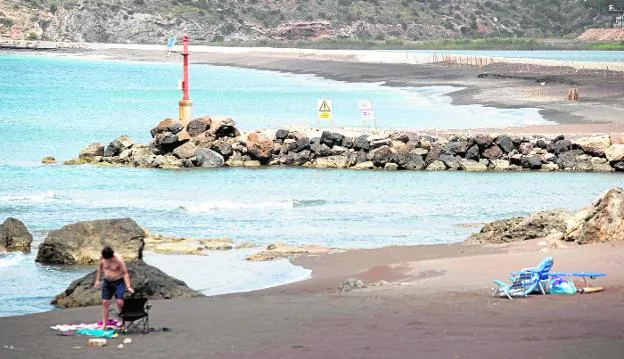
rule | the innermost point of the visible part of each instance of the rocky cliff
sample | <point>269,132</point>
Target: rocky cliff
<point>140,21</point>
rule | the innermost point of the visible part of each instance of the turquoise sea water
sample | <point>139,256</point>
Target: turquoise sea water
<point>54,106</point>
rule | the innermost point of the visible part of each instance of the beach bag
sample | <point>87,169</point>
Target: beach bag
<point>558,285</point>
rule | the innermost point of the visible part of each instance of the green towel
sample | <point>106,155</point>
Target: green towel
<point>98,333</point>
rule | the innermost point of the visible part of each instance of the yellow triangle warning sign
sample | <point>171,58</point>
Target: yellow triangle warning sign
<point>324,107</point>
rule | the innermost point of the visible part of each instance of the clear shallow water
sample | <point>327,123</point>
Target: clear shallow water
<point>58,105</point>
<point>583,56</point>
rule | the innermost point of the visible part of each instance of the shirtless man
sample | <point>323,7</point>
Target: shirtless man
<point>115,276</point>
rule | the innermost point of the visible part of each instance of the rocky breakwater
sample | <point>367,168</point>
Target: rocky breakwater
<point>601,221</point>
<point>216,142</point>
<point>82,242</point>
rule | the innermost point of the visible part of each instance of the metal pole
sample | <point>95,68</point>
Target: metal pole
<point>185,55</point>
<point>185,105</point>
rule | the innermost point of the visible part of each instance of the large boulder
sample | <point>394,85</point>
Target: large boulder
<point>223,127</point>
<point>537,225</point>
<point>382,155</point>
<point>331,138</point>
<point>198,126</point>
<point>147,281</point>
<point>602,221</point>
<point>82,242</point>
<point>91,151</point>
<point>595,145</point>
<point>361,143</point>
<point>505,143</point>
<point>14,236</point>
<point>205,157</point>
<point>167,125</point>
<point>185,151</point>
<point>615,153</point>
<point>259,146</point>
<point>117,146</point>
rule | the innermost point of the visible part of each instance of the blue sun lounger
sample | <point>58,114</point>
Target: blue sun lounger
<point>522,284</point>
<point>526,281</point>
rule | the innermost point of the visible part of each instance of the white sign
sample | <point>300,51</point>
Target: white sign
<point>366,111</point>
<point>324,109</point>
<point>365,105</point>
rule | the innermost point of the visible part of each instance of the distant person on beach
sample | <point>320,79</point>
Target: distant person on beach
<point>116,280</point>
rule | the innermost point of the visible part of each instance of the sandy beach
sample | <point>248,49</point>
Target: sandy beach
<point>436,304</point>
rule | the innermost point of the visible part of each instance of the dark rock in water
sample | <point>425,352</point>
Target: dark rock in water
<point>185,151</point>
<point>301,144</point>
<point>414,162</point>
<point>259,147</point>
<point>541,143</point>
<point>457,148</point>
<point>483,141</point>
<point>222,147</point>
<point>82,242</point>
<point>300,158</point>
<point>561,146</point>
<point>380,156</point>
<point>331,138</point>
<point>147,281</point>
<point>537,225</point>
<point>205,157</point>
<point>198,126</point>
<point>281,134</point>
<point>321,150</point>
<point>117,146</point>
<point>517,140</point>
<point>531,162</point>
<point>167,125</point>
<point>450,161</point>
<point>361,143</point>
<point>619,166</point>
<point>433,154</point>
<point>505,143</point>
<point>14,236</point>
<point>473,153</point>
<point>568,159</point>
<point>347,142</point>
<point>493,152</point>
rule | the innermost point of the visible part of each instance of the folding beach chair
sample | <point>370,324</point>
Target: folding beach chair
<point>542,270</point>
<point>522,284</point>
<point>526,281</point>
<point>134,315</point>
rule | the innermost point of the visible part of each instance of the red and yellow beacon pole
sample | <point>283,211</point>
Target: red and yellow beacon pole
<point>185,104</point>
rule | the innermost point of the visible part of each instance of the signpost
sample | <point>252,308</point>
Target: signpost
<point>366,111</point>
<point>324,109</point>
